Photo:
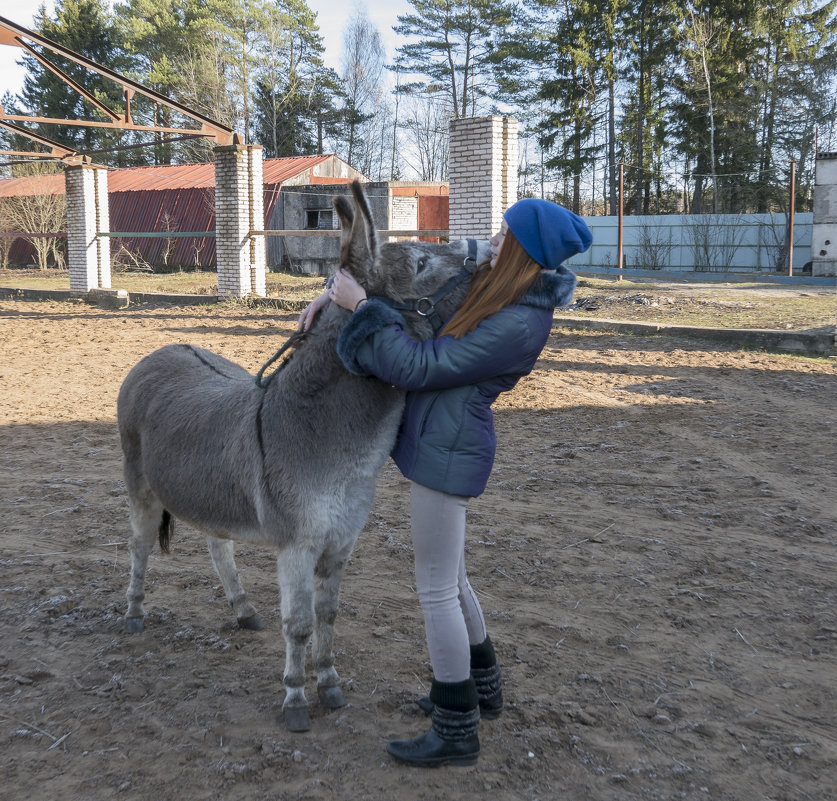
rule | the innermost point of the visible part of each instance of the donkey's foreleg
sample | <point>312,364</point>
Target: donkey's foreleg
<point>221,552</point>
<point>327,577</point>
<point>296,585</point>
<point>146,519</point>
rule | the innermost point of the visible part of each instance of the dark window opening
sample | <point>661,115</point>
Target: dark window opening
<point>319,218</point>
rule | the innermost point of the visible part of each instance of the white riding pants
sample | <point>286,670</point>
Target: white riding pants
<point>453,619</point>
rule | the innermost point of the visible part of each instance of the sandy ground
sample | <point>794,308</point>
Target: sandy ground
<point>655,555</point>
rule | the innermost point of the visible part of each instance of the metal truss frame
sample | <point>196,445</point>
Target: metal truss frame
<point>18,36</point>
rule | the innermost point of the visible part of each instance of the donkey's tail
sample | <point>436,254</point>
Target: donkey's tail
<point>166,531</point>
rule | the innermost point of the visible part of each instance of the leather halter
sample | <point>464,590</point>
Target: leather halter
<point>426,306</point>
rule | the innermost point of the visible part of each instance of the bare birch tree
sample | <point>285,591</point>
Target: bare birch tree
<point>426,124</point>
<point>699,33</point>
<point>35,216</point>
<point>362,73</point>
<point>7,237</point>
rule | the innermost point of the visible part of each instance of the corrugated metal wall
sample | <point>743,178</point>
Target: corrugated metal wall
<point>176,198</point>
<point>175,210</point>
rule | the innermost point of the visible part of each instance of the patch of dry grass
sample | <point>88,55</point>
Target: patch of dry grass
<point>796,307</point>
<point>197,282</point>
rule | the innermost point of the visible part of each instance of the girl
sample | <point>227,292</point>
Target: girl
<point>446,442</point>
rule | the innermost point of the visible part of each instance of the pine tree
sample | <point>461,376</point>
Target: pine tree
<point>452,43</point>
<point>296,95</point>
<point>154,35</point>
<point>85,26</point>
<point>798,62</point>
<point>648,29</point>
<point>551,60</point>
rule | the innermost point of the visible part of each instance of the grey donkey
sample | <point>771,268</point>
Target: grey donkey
<point>290,462</point>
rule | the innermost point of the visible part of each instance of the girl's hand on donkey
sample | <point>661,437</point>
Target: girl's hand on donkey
<point>306,319</point>
<point>346,292</point>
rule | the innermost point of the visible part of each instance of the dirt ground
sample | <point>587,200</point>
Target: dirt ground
<point>655,555</point>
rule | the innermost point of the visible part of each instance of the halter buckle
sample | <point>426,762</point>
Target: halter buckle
<point>428,309</point>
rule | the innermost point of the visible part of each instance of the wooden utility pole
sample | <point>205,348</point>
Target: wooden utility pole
<point>792,206</point>
<point>619,258</point>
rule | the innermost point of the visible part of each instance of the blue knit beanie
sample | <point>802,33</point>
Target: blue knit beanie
<point>549,233</point>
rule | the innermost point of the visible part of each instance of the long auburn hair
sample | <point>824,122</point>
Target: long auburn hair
<point>494,287</point>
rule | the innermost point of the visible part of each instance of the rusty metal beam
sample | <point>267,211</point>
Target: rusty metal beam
<point>97,124</point>
<point>70,82</point>
<point>14,34</point>
<point>57,150</point>
<point>29,153</point>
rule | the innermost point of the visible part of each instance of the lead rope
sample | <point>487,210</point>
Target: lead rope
<point>291,342</point>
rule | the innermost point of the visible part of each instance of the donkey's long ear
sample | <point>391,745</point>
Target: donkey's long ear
<point>346,214</point>
<point>359,248</point>
<point>363,209</point>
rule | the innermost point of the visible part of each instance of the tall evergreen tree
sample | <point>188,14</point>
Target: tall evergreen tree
<point>551,60</point>
<point>283,128</point>
<point>648,28</point>
<point>154,35</point>
<point>451,44</point>
<point>85,26</point>
<point>296,96</point>
<point>9,140</point>
<point>797,65</point>
<point>718,114</point>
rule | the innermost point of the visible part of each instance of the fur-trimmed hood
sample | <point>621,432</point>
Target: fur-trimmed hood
<point>552,288</point>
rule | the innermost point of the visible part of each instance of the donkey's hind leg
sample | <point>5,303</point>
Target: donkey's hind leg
<point>328,575</point>
<point>221,552</point>
<point>147,516</point>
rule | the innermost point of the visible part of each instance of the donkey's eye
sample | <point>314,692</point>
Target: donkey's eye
<point>420,265</point>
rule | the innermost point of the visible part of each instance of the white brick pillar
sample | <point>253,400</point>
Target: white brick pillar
<point>88,255</point>
<point>824,233</point>
<point>239,209</point>
<point>483,174</point>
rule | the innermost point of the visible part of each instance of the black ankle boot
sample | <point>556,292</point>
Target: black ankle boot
<point>489,682</point>
<point>453,737</point>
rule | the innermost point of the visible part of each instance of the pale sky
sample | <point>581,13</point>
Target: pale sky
<point>331,16</point>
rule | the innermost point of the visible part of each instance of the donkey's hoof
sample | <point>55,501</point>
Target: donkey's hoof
<point>331,697</point>
<point>135,625</point>
<point>296,718</point>
<point>252,623</point>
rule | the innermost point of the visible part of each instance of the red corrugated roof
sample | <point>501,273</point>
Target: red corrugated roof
<point>276,171</point>
<point>40,185</point>
<point>168,176</point>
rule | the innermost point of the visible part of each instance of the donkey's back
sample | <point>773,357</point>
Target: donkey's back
<point>186,420</point>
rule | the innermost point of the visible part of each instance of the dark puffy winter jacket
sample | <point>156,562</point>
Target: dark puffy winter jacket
<point>446,440</point>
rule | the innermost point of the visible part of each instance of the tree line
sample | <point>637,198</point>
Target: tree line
<point>704,104</point>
